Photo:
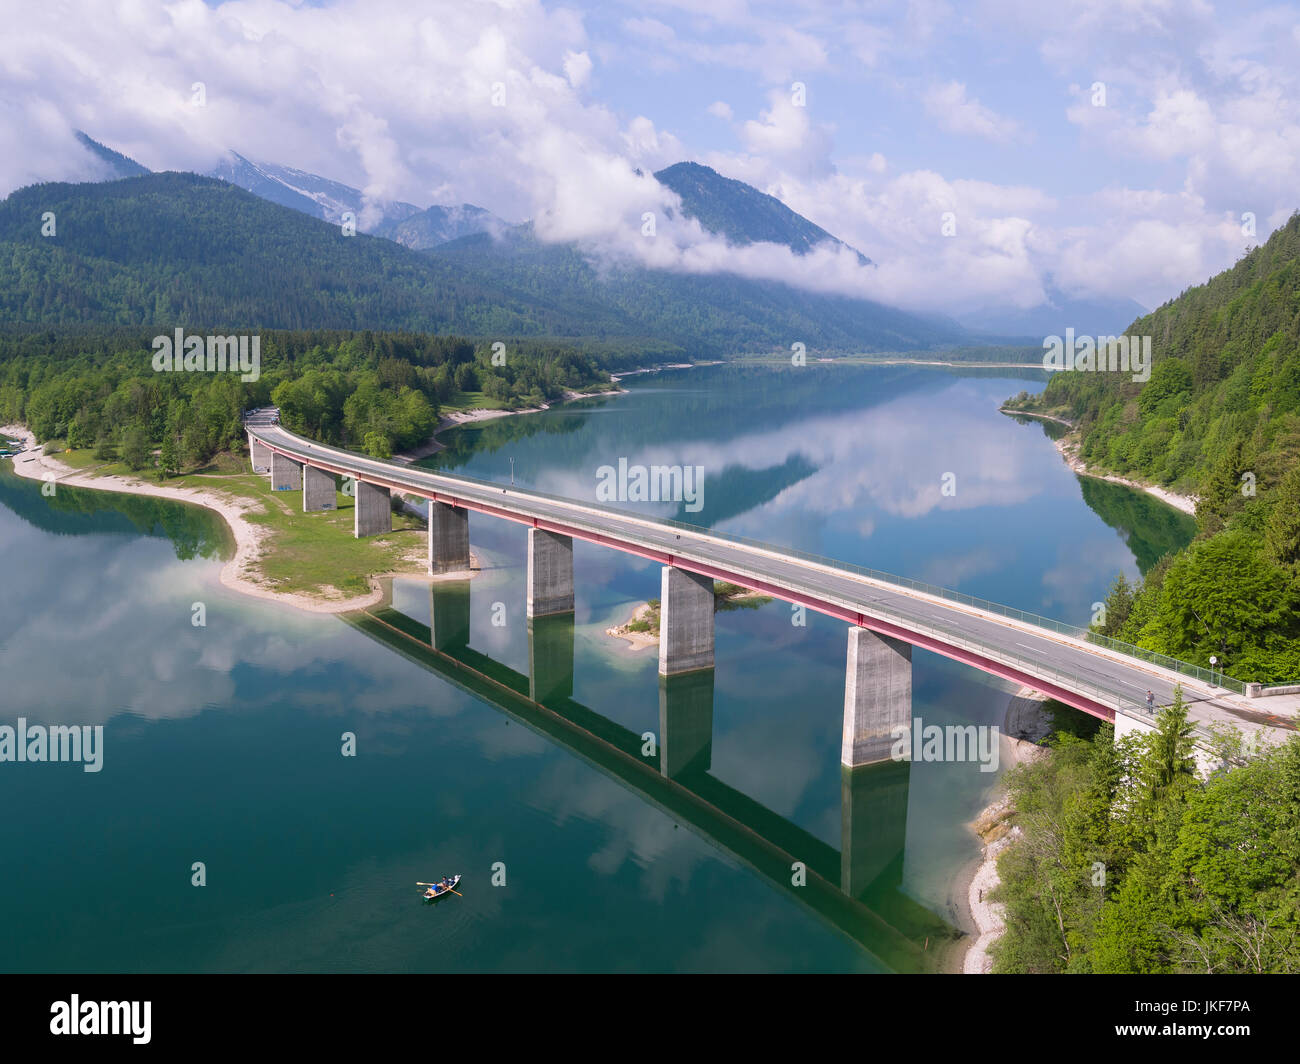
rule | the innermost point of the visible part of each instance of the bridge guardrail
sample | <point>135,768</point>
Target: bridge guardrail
<point>1213,677</point>
<point>1033,666</point>
<point>1029,665</point>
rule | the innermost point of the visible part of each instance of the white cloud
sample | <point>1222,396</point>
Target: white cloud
<point>956,112</point>
<point>650,28</point>
<point>577,68</point>
<point>1147,244</point>
<point>787,137</point>
<point>399,102</point>
<point>867,43</point>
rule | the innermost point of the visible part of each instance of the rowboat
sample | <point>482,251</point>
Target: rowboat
<point>440,890</point>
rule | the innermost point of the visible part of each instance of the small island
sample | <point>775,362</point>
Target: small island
<point>641,630</point>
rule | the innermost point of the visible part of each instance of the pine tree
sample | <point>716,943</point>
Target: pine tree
<point>1169,764</point>
<point>1222,496</point>
<point>1282,529</point>
<point>167,456</point>
<point>1118,606</point>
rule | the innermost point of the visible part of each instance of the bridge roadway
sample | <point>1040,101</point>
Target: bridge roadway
<point>1094,679</point>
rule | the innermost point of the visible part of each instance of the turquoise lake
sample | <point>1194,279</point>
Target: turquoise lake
<point>222,744</point>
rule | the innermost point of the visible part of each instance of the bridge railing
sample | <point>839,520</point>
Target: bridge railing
<point>1213,677</point>
<point>1034,666</point>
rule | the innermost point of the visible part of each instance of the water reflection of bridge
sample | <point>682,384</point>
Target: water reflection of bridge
<point>855,889</point>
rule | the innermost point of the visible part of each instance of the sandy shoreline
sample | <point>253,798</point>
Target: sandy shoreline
<point>1068,446</point>
<point>34,464</point>
<point>636,640</point>
<point>655,369</point>
<point>1185,503</point>
<point>236,574</point>
<point>968,902</point>
<point>954,365</point>
<point>986,916</point>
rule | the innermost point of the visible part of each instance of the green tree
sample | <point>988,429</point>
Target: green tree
<point>1131,936</point>
<point>1222,496</point>
<point>1118,606</point>
<point>1169,765</point>
<point>1224,597</point>
<point>377,445</point>
<point>134,446</point>
<point>1282,529</point>
<point>467,378</point>
<point>168,460</point>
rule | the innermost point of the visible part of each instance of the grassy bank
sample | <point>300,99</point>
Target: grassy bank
<point>313,554</point>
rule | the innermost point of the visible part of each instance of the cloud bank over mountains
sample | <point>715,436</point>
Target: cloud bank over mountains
<point>963,150</point>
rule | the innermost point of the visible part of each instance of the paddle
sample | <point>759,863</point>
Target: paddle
<point>452,889</point>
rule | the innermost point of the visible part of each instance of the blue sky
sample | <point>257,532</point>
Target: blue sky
<point>957,145</point>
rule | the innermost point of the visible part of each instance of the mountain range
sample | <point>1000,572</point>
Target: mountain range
<point>314,195</point>
<point>741,213</point>
<point>176,249</point>
<point>490,276</point>
<point>439,225</point>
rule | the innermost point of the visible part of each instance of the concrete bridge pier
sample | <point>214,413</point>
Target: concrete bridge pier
<point>286,474</point>
<point>686,723</point>
<point>550,573</point>
<point>373,513</point>
<point>260,455</point>
<point>448,539</point>
<point>685,622</point>
<point>877,696</point>
<point>317,490</point>
<point>449,614</point>
<point>550,658</point>
<point>873,825</point>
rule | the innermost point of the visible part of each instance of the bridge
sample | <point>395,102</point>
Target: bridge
<point>887,616</point>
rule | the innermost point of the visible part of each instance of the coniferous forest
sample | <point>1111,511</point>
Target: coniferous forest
<point>1130,863</point>
<point>1219,418</point>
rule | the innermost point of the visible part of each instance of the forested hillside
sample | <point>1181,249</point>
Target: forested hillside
<point>716,314</point>
<point>1130,864</point>
<point>1220,418</point>
<point>181,250</point>
<point>378,392</point>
